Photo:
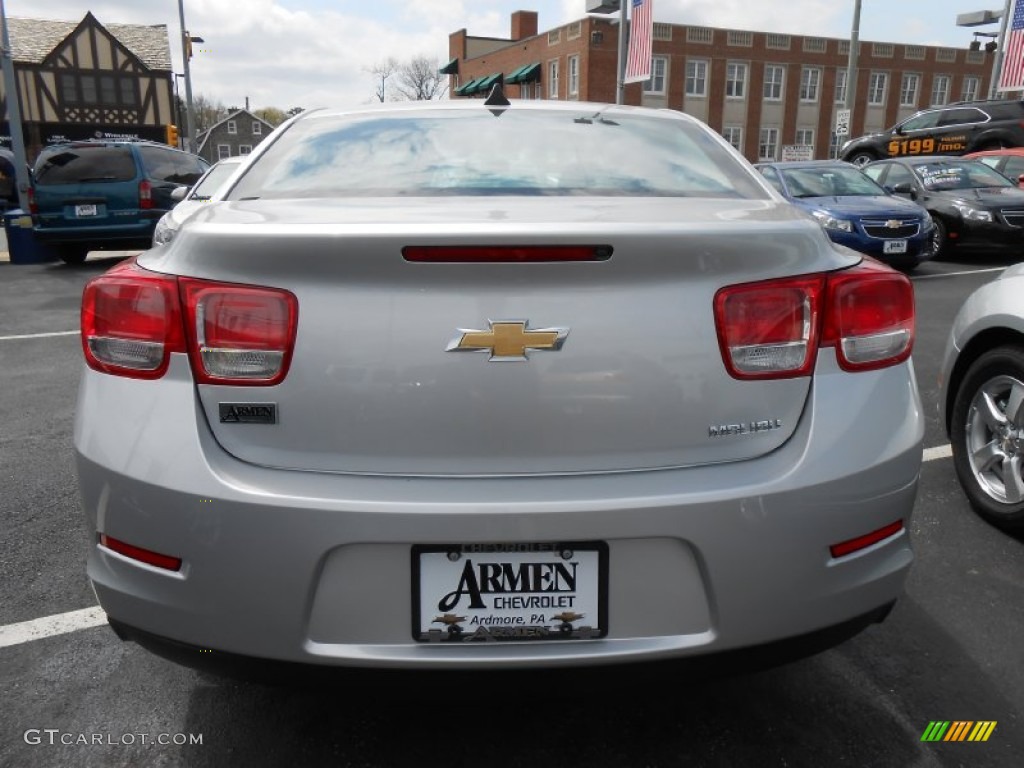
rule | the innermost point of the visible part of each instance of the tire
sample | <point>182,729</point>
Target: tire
<point>941,246</point>
<point>861,158</point>
<point>73,254</point>
<point>987,435</point>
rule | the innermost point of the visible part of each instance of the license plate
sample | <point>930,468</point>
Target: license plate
<point>509,592</point>
<point>85,210</point>
<point>894,246</point>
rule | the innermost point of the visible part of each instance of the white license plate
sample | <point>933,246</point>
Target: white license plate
<point>85,210</point>
<point>894,246</point>
<point>509,592</point>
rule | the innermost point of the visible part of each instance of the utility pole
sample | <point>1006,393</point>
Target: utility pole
<point>14,116</point>
<point>851,67</point>
<point>186,54</point>
<point>620,70</point>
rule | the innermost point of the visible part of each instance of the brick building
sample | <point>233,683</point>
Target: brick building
<point>760,90</point>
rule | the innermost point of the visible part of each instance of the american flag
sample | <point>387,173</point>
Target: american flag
<point>641,31</point>
<point>1012,76</point>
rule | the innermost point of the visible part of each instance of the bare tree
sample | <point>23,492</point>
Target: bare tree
<point>294,111</point>
<point>207,113</point>
<point>419,80</point>
<point>382,71</point>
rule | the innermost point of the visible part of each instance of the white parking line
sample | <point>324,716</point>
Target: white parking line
<point>958,274</point>
<point>39,335</point>
<point>49,626</point>
<point>63,623</point>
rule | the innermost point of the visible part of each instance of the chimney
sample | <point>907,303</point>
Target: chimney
<point>246,103</point>
<point>524,24</point>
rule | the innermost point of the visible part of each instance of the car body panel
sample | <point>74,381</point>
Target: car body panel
<point>996,306</point>
<point>204,190</point>
<point>300,537</point>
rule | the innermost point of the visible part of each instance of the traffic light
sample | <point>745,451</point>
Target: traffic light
<point>172,134</point>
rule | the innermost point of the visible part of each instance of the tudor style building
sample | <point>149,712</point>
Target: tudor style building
<point>761,91</point>
<point>83,80</point>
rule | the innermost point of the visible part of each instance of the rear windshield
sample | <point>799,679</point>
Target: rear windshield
<point>518,152</point>
<point>74,165</point>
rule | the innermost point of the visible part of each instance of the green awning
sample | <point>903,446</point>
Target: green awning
<point>525,74</point>
<point>484,86</point>
<point>451,68</point>
<point>467,88</point>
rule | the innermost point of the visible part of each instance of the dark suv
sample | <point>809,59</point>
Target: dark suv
<point>96,195</point>
<point>954,129</point>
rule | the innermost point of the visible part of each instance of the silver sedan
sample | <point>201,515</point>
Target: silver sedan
<point>982,396</point>
<point>497,385</point>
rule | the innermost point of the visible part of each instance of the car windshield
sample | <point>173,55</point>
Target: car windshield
<point>211,182</point>
<point>967,174</point>
<point>514,152</point>
<point>829,182</point>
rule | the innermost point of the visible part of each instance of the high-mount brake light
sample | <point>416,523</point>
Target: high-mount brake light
<point>773,329</point>
<point>495,254</point>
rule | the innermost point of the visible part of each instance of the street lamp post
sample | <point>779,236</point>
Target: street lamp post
<point>851,65</point>
<point>186,53</point>
<point>997,61</point>
<point>14,115</point>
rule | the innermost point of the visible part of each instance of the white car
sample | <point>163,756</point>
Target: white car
<point>191,198</point>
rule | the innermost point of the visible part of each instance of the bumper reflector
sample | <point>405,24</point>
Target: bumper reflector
<point>146,556</point>
<point>850,546</point>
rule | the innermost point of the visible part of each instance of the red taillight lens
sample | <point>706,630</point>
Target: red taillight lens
<point>870,317</point>
<point>145,195</point>
<point>131,322</point>
<point>239,334</point>
<point>147,556</point>
<point>769,329</point>
<point>33,206</point>
<point>505,253</point>
<point>850,546</point>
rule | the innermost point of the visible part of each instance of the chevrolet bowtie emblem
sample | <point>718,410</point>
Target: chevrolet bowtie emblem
<point>894,224</point>
<point>507,339</point>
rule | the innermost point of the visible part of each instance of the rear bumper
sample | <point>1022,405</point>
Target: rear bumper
<point>314,568</point>
<point>138,234</point>
<point>988,236</point>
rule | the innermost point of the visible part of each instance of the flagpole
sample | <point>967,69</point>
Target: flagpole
<point>620,77</point>
<point>997,61</point>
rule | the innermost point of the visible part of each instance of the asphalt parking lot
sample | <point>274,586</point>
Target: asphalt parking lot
<point>75,695</point>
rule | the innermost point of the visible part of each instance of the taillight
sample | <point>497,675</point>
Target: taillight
<point>769,329</point>
<point>145,195</point>
<point>33,206</point>
<point>131,322</point>
<point>239,334</point>
<point>772,329</point>
<point>870,317</point>
<point>147,556</point>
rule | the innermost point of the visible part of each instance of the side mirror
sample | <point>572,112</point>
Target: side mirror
<point>178,194</point>
<point>903,188</point>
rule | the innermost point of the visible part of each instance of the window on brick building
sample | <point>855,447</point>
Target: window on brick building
<point>773,78</point>
<point>735,80</point>
<point>697,77</point>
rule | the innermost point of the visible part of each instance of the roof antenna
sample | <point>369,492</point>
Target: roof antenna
<point>497,100</point>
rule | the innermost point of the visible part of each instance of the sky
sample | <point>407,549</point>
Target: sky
<point>310,53</point>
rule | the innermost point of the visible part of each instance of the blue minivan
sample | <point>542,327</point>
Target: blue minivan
<point>854,210</point>
<point>97,195</point>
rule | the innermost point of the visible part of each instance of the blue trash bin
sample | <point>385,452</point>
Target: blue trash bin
<point>22,245</point>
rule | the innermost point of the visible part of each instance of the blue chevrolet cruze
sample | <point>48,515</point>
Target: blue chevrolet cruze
<point>854,210</point>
